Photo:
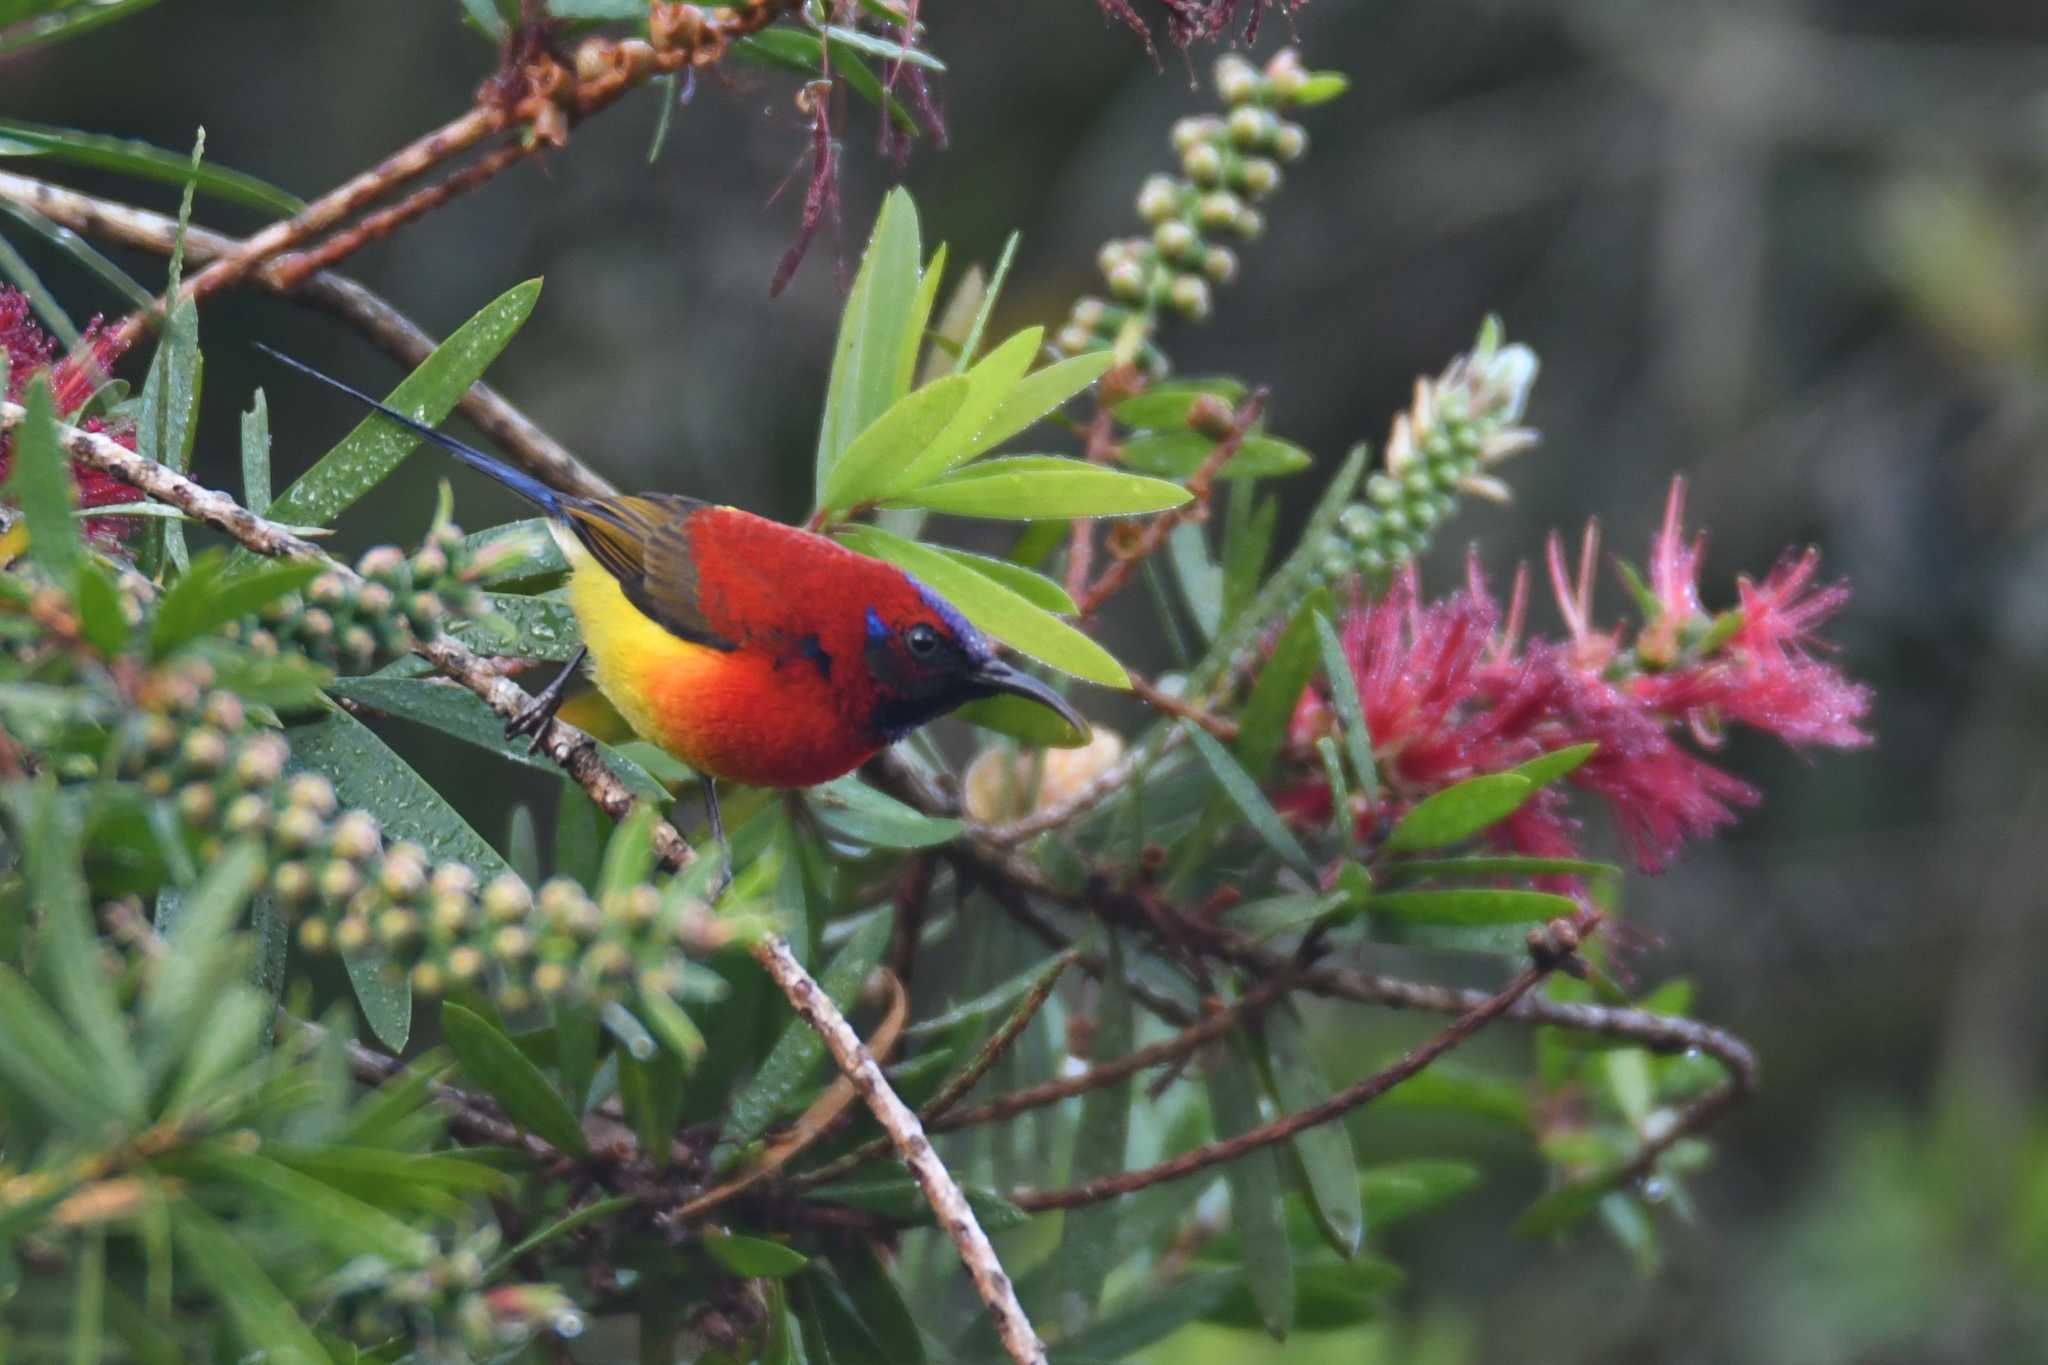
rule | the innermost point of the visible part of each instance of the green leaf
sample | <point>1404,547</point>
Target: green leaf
<point>1087,1250</point>
<point>1156,1316</point>
<point>128,157</point>
<point>852,809</point>
<point>256,455</point>
<point>1251,803</point>
<point>1545,769</point>
<point>344,1224</point>
<point>1350,710</point>
<point>80,251</point>
<point>1472,905</point>
<point>1178,454</point>
<point>920,320</point>
<point>1247,542</point>
<point>783,1076</point>
<point>368,454</point>
<point>884,48</point>
<point>1032,397</point>
<point>1199,576</point>
<point>41,483</point>
<point>1329,1294</point>
<point>997,609</point>
<point>876,1297</point>
<point>366,773</point>
<point>787,48</point>
<point>1324,1166</point>
<point>458,712</point>
<point>1255,1192</point>
<point>1459,812</point>
<point>872,329</point>
<point>99,610</point>
<point>1022,720</point>
<point>200,602</point>
<point>1564,1206</point>
<point>861,79</point>
<point>525,627</point>
<point>495,1062</point>
<point>1262,726</point>
<point>169,417</point>
<point>57,24</point>
<point>892,441</point>
<point>833,1333</point>
<point>42,1059</point>
<point>990,383</point>
<point>971,341</point>
<point>899,1197</point>
<point>1029,584</point>
<point>1165,407</point>
<point>754,1257</point>
<point>593,1212</point>
<point>1484,865</point>
<point>1400,1189</point>
<point>14,267</point>
<point>264,1318</point>
<point>1465,1092</point>
<point>1042,487</point>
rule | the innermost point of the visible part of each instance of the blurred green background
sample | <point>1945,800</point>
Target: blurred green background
<point>1793,250</point>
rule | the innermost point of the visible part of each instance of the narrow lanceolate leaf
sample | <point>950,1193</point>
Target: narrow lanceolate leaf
<point>1040,488</point>
<point>879,1301</point>
<point>971,342</point>
<point>892,441</point>
<point>1165,407</point>
<point>1262,728</point>
<point>1457,813</point>
<point>1200,577</point>
<point>1548,768</point>
<point>1029,584</point>
<point>169,418</point>
<point>883,48</point>
<point>346,1225</point>
<point>1350,710</point>
<point>753,1257</point>
<point>1324,1166</point>
<point>900,1197</point>
<point>1088,1237</point>
<point>852,809</point>
<point>1474,905</point>
<point>141,160</point>
<point>1177,454</point>
<point>256,456</point>
<point>871,332</point>
<point>1034,396</point>
<point>1255,1191</point>
<point>1022,720</point>
<point>41,484</point>
<point>796,1054</point>
<point>495,1063</point>
<point>264,1318</point>
<point>920,320</point>
<point>990,383</point>
<point>1001,612</point>
<point>1251,803</point>
<point>366,773</point>
<point>367,455</point>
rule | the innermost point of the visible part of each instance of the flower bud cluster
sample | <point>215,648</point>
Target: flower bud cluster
<point>332,872</point>
<point>1229,163</point>
<point>1460,426</point>
<point>354,627</point>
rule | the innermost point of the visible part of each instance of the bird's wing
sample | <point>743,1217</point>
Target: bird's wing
<point>644,541</point>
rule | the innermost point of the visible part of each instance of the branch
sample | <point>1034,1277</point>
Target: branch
<point>950,1206</point>
<point>1265,1135</point>
<point>524,443</point>
<point>569,747</point>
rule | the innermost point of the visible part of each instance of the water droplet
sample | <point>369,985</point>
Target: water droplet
<point>1656,1189</point>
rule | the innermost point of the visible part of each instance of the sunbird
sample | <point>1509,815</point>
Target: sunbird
<point>753,651</point>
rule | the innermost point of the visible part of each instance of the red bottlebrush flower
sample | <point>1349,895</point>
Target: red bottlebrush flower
<point>73,381</point>
<point>1450,692</point>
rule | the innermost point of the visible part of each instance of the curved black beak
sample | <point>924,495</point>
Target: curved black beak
<point>997,676</point>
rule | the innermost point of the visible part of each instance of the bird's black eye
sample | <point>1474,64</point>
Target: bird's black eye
<point>921,640</point>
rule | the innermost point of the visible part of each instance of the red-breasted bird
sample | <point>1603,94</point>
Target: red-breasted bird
<point>751,650</point>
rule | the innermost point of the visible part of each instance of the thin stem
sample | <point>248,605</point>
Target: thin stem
<point>941,1191</point>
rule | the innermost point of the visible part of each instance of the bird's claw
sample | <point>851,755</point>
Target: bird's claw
<point>532,723</point>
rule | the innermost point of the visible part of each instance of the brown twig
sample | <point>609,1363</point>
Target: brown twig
<point>516,435</point>
<point>573,750</point>
<point>1147,691</point>
<point>1157,529</point>
<point>941,1191</point>
<point>1113,779</point>
<point>1281,1129</point>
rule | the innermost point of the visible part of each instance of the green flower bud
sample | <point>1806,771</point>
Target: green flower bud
<point>312,792</point>
<point>383,565</point>
<point>1159,199</point>
<point>197,804</point>
<point>1174,239</point>
<point>429,564</point>
<point>1250,127</point>
<point>356,836</point>
<point>427,978</point>
<point>204,750</point>
<point>1289,141</point>
<point>1203,164</point>
<point>339,880</point>
<point>507,899</point>
<point>314,936</point>
<point>397,929</point>
<point>449,918</point>
<point>260,762</point>
<point>223,711</point>
<point>1358,524</point>
<point>351,933</point>
<point>329,590</point>
<point>1258,176</point>
<point>1127,281</point>
<point>1250,223</point>
<point>246,814</point>
<point>358,645</point>
<point>1219,210</point>
<point>1074,339</point>
<point>1236,80</point>
<point>1190,294</point>
<point>1189,133</point>
<point>291,883</point>
<point>1219,263</point>
<point>550,979</point>
<point>404,875</point>
<point>465,963</point>
<point>511,943</point>
<point>1088,311</point>
<point>1287,74</point>
<point>454,879</point>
